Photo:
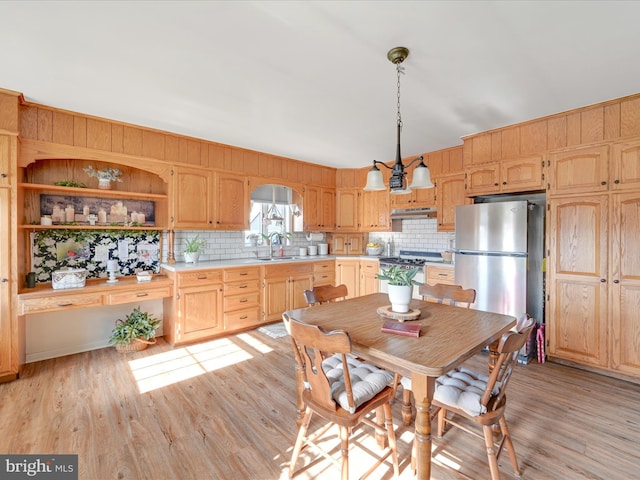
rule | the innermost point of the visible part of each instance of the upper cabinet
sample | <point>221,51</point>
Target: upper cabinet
<point>375,211</point>
<point>232,202</point>
<point>449,194</point>
<point>509,176</point>
<point>580,170</point>
<point>347,211</point>
<point>192,198</point>
<point>626,166</point>
<point>6,146</point>
<point>319,208</point>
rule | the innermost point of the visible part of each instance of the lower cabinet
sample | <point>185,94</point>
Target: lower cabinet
<point>348,273</point>
<point>195,311</point>
<point>241,298</point>
<point>283,288</point>
<point>324,273</point>
<point>437,274</point>
<point>369,282</point>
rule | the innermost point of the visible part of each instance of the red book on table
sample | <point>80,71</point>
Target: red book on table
<point>407,329</point>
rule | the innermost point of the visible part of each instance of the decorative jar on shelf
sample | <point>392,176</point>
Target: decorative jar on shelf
<point>104,184</point>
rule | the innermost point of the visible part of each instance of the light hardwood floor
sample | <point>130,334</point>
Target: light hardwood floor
<point>224,409</point>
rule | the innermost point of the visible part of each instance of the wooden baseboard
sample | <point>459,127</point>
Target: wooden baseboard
<point>599,371</point>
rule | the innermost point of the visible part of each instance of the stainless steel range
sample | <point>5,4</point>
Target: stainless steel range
<point>409,259</point>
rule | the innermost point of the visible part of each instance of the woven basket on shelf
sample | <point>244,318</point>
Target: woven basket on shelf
<point>135,346</point>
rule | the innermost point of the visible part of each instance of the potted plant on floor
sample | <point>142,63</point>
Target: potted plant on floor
<point>135,332</point>
<point>401,284</point>
<point>193,247</point>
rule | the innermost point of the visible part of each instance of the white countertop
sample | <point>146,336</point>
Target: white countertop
<point>237,262</point>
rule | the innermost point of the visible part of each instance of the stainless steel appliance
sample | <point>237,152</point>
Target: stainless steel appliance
<point>409,259</point>
<point>499,253</point>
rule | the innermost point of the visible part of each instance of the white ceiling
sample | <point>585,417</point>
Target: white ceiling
<point>310,80</point>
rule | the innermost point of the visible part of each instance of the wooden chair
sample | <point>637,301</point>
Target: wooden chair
<point>453,295</point>
<point>323,359</point>
<point>456,395</point>
<point>325,293</point>
<point>448,294</point>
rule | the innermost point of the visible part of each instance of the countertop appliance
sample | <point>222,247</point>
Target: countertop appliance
<point>499,253</point>
<point>409,259</point>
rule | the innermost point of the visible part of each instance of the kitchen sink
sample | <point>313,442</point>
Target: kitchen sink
<point>275,259</point>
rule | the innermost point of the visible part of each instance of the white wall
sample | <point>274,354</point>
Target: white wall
<point>54,334</point>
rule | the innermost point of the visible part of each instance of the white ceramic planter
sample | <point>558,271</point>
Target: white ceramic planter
<point>104,184</point>
<point>400,297</point>
<point>191,257</point>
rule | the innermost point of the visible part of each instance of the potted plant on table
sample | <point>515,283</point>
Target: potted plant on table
<point>135,332</point>
<point>193,247</point>
<point>401,284</point>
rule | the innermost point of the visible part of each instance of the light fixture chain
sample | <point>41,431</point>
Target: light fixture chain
<point>399,70</point>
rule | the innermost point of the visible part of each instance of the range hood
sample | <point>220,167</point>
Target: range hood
<point>410,213</point>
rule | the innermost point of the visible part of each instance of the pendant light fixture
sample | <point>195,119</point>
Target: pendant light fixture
<point>398,180</point>
<point>273,214</point>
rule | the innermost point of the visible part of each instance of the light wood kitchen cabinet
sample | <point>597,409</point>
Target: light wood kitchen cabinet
<point>241,298</point>
<point>319,208</point>
<point>283,288</point>
<point>508,176</point>
<point>324,273</point>
<point>374,208</point>
<point>191,195</point>
<point>347,243</point>
<point>5,159</point>
<point>420,198</point>
<point>348,273</point>
<point>232,202</point>
<point>437,274</point>
<point>626,166</point>
<point>195,312</point>
<point>579,170</point>
<point>624,283</point>
<point>450,192</point>
<point>347,209</point>
<point>8,325</point>
<point>369,282</point>
<point>578,279</point>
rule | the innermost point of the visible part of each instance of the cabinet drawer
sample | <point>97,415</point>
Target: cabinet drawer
<point>287,269</point>
<point>60,302</point>
<point>234,302</point>
<point>324,279</point>
<point>329,266</point>
<point>199,278</point>
<point>239,274</point>
<point>238,288</point>
<point>138,295</point>
<point>444,275</point>
<point>369,266</point>
<point>248,317</point>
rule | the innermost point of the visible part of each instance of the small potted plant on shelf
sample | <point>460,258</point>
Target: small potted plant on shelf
<point>104,176</point>
<point>193,247</point>
<point>136,332</point>
<point>401,284</point>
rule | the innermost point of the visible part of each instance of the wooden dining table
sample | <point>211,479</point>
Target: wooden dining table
<point>448,337</point>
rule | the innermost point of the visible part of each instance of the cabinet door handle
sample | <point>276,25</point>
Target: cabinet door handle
<point>244,300</point>
<point>244,273</point>
<point>616,281</point>
<point>68,304</point>
<point>244,317</point>
<point>603,183</point>
<point>3,280</point>
<point>243,286</point>
<point>142,294</point>
<point>603,280</point>
<point>202,277</point>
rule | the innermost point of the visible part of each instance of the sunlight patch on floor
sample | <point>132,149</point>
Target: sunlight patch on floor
<point>167,368</point>
<point>254,342</point>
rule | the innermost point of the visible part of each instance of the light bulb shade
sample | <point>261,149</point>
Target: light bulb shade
<point>421,177</point>
<point>374,180</point>
<point>400,191</point>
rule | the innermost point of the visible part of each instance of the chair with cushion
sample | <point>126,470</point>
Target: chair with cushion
<point>325,293</point>
<point>474,396</point>
<point>341,389</point>
<point>453,295</point>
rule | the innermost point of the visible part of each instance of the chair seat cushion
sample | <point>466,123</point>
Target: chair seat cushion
<point>462,388</point>
<point>366,380</point>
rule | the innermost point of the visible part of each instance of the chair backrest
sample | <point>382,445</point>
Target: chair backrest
<point>325,293</point>
<point>312,345</point>
<point>508,350</point>
<point>449,294</point>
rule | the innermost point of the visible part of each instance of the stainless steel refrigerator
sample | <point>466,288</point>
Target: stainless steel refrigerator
<point>499,253</point>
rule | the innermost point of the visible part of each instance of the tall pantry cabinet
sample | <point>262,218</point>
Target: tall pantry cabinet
<point>593,261</point>
<point>8,235</point>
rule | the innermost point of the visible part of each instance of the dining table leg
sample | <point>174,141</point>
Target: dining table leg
<point>423,388</point>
